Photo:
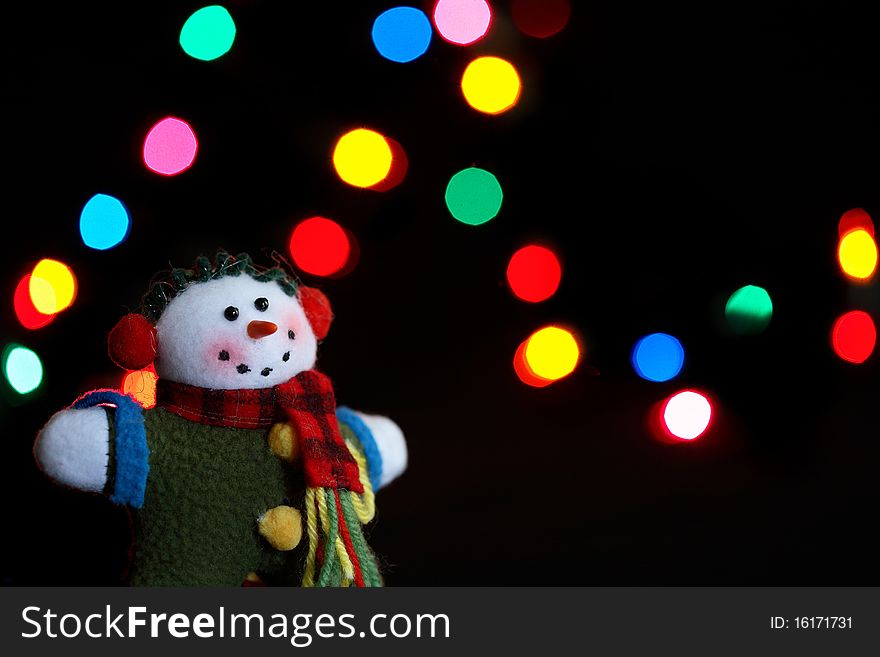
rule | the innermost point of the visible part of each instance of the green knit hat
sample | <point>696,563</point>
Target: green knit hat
<point>163,290</point>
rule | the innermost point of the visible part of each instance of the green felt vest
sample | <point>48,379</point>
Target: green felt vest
<point>206,490</point>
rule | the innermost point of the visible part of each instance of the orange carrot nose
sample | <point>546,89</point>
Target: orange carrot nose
<point>257,329</point>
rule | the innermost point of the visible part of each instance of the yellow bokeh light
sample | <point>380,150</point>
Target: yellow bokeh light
<point>491,85</point>
<point>552,353</point>
<point>362,157</point>
<point>857,254</point>
<point>141,384</point>
<point>52,286</point>
<point>42,294</point>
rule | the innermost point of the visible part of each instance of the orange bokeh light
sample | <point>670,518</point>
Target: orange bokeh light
<point>141,384</point>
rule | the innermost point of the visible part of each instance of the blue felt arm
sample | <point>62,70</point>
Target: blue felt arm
<point>130,446</point>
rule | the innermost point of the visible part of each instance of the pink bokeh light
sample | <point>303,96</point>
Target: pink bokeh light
<point>170,147</point>
<point>462,22</point>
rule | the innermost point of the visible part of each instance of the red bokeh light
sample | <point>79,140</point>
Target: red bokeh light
<point>540,18</point>
<point>399,167</point>
<point>534,273</point>
<point>320,246</point>
<point>524,372</point>
<point>27,314</point>
<point>854,336</point>
<point>854,219</point>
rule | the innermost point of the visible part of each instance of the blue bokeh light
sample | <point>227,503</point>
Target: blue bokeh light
<point>658,357</point>
<point>104,222</point>
<point>402,34</point>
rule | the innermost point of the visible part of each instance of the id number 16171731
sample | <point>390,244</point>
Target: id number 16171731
<point>812,622</point>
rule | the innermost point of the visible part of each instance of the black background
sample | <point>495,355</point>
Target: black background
<point>671,154</point>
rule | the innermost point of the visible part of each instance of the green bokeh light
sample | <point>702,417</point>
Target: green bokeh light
<point>22,368</point>
<point>749,310</point>
<point>474,196</point>
<point>208,33</point>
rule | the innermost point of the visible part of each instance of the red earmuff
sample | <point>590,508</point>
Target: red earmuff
<point>317,308</point>
<point>132,342</point>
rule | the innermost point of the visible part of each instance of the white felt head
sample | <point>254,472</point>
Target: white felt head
<point>199,346</point>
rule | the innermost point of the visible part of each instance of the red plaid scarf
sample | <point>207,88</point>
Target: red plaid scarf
<point>306,401</point>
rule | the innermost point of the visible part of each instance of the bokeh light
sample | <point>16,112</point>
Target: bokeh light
<point>170,147</point>
<point>855,218</point>
<point>28,316</point>
<point>22,368</point>
<point>362,157</point>
<point>552,353</point>
<point>857,254</point>
<point>749,310</point>
<point>533,273</point>
<point>474,196</point>
<point>52,286</point>
<point>658,357</point>
<point>141,384</point>
<point>491,85</point>
<point>208,33</point>
<point>320,246</point>
<point>524,372</point>
<point>103,222</point>
<point>686,415</point>
<point>540,18</point>
<point>399,168</point>
<point>402,34</point>
<point>462,22</point>
<point>854,336</point>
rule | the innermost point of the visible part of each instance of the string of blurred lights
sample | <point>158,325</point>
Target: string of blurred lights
<point>366,159</point>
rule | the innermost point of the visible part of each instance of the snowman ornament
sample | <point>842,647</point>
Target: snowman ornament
<point>245,471</point>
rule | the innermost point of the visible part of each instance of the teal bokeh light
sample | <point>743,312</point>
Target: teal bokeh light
<point>474,196</point>
<point>208,33</point>
<point>22,369</point>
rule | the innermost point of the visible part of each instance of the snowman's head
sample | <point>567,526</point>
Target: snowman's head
<point>226,331</point>
<point>234,333</point>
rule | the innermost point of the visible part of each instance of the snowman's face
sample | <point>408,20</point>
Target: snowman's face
<point>234,332</point>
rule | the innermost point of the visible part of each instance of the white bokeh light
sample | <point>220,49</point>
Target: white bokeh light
<point>687,415</point>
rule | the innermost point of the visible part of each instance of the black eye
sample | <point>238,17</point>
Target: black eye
<point>231,313</point>
<point>291,334</point>
<point>261,304</point>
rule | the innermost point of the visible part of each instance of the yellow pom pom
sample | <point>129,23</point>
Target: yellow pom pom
<point>282,527</point>
<point>282,441</point>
